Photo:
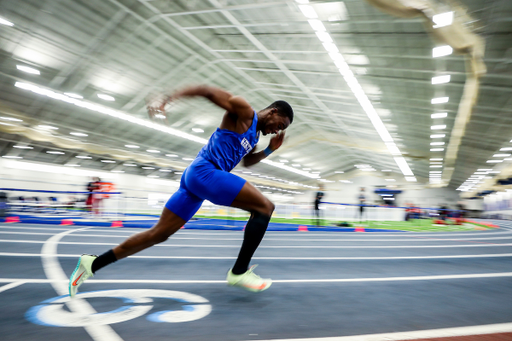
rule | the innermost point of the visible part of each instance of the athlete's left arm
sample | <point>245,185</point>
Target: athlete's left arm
<point>253,158</point>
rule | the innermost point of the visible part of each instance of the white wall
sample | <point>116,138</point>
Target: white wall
<point>411,192</point>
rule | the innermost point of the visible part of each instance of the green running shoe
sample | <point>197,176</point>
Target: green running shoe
<point>249,280</point>
<point>82,272</point>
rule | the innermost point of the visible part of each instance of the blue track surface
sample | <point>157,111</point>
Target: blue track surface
<point>200,224</point>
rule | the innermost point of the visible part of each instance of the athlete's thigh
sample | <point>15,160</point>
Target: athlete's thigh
<point>251,199</point>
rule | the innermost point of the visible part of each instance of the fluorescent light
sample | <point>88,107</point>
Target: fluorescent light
<point>330,47</point>
<point>159,116</point>
<point>78,134</point>
<point>283,160</point>
<point>439,100</point>
<point>147,167</point>
<point>46,127</point>
<point>72,165</point>
<point>437,136</point>
<point>302,1</point>
<point>437,143</point>
<point>435,171</point>
<point>436,159</point>
<point>106,97</point>
<point>441,79</point>
<point>438,127</point>
<point>131,146</point>
<point>198,130</point>
<point>129,165</point>
<point>439,115</point>
<point>153,176</point>
<point>436,149</point>
<point>339,172</point>
<point>308,11</point>
<point>165,170</point>
<point>494,161</point>
<point>501,155</point>
<point>28,69</point>
<point>12,157</point>
<point>83,157</point>
<point>55,152</point>
<point>108,161</point>
<point>72,95</point>
<point>410,178</point>
<point>436,166</point>
<point>154,151</point>
<point>324,37</point>
<point>22,147</point>
<point>317,25</point>
<point>441,51</point>
<point>171,155</point>
<point>390,180</point>
<point>346,181</point>
<point>435,163</point>
<point>5,22</point>
<point>117,171</point>
<point>443,19</point>
<point>505,149</point>
<point>187,159</point>
<point>484,169</point>
<point>386,170</point>
<point>402,164</point>
<point>11,119</point>
<point>290,169</point>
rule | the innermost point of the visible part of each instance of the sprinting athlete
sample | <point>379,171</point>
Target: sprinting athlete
<point>208,177</point>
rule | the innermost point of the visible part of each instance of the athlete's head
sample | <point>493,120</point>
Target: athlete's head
<point>279,117</point>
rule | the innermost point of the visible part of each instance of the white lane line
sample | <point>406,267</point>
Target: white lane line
<point>65,255</point>
<point>278,246</point>
<point>59,281</point>
<point>422,239</point>
<point>11,285</point>
<point>417,334</point>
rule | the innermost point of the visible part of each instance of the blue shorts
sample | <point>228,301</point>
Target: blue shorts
<point>203,181</point>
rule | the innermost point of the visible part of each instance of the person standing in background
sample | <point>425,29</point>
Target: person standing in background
<point>362,201</point>
<point>318,198</point>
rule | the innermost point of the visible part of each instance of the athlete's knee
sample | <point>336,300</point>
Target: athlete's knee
<point>267,208</point>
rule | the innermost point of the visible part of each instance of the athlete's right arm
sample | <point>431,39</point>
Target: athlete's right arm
<point>233,104</point>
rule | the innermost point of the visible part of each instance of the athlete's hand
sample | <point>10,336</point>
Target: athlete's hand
<point>155,105</point>
<point>276,141</point>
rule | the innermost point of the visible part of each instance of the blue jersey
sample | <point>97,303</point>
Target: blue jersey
<point>226,148</point>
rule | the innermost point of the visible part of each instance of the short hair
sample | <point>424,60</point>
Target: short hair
<point>283,108</point>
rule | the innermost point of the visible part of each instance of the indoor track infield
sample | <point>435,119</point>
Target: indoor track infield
<point>327,286</point>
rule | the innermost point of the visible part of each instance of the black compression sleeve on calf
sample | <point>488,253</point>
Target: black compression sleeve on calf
<point>103,260</point>
<point>254,232</point>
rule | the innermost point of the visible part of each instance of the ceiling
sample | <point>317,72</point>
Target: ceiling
<point>262,50</point>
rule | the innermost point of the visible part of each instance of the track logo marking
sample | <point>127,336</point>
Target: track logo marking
<point>137,302</point>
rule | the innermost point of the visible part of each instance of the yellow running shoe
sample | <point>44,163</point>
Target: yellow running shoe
<point>249,280</point>
<point>82,272</point>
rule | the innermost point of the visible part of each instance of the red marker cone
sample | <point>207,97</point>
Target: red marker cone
<point>66,222</point>
<point>359,229</point>
<point>14,219</point>
<point>117,223</point>
<point>303,228</point>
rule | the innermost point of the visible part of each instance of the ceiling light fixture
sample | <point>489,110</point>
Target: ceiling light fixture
<point>437,136</point>
<point>436,149</point>
<point>441,79</point>
<point>22,147</point>
<point>442,19</point>
<point>441,51</point>
<point>198,130</point>
<point>5,22</point>
<point>106,97</point>
<point>439,115</point>
<point>78,134</point>
<point>72,95</point>
<point>439,100</point>
<point>28,69</point>
<point>438,127</point>
<point>11,119</point>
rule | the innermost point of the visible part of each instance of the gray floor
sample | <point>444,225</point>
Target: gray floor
<point>325,285</point>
